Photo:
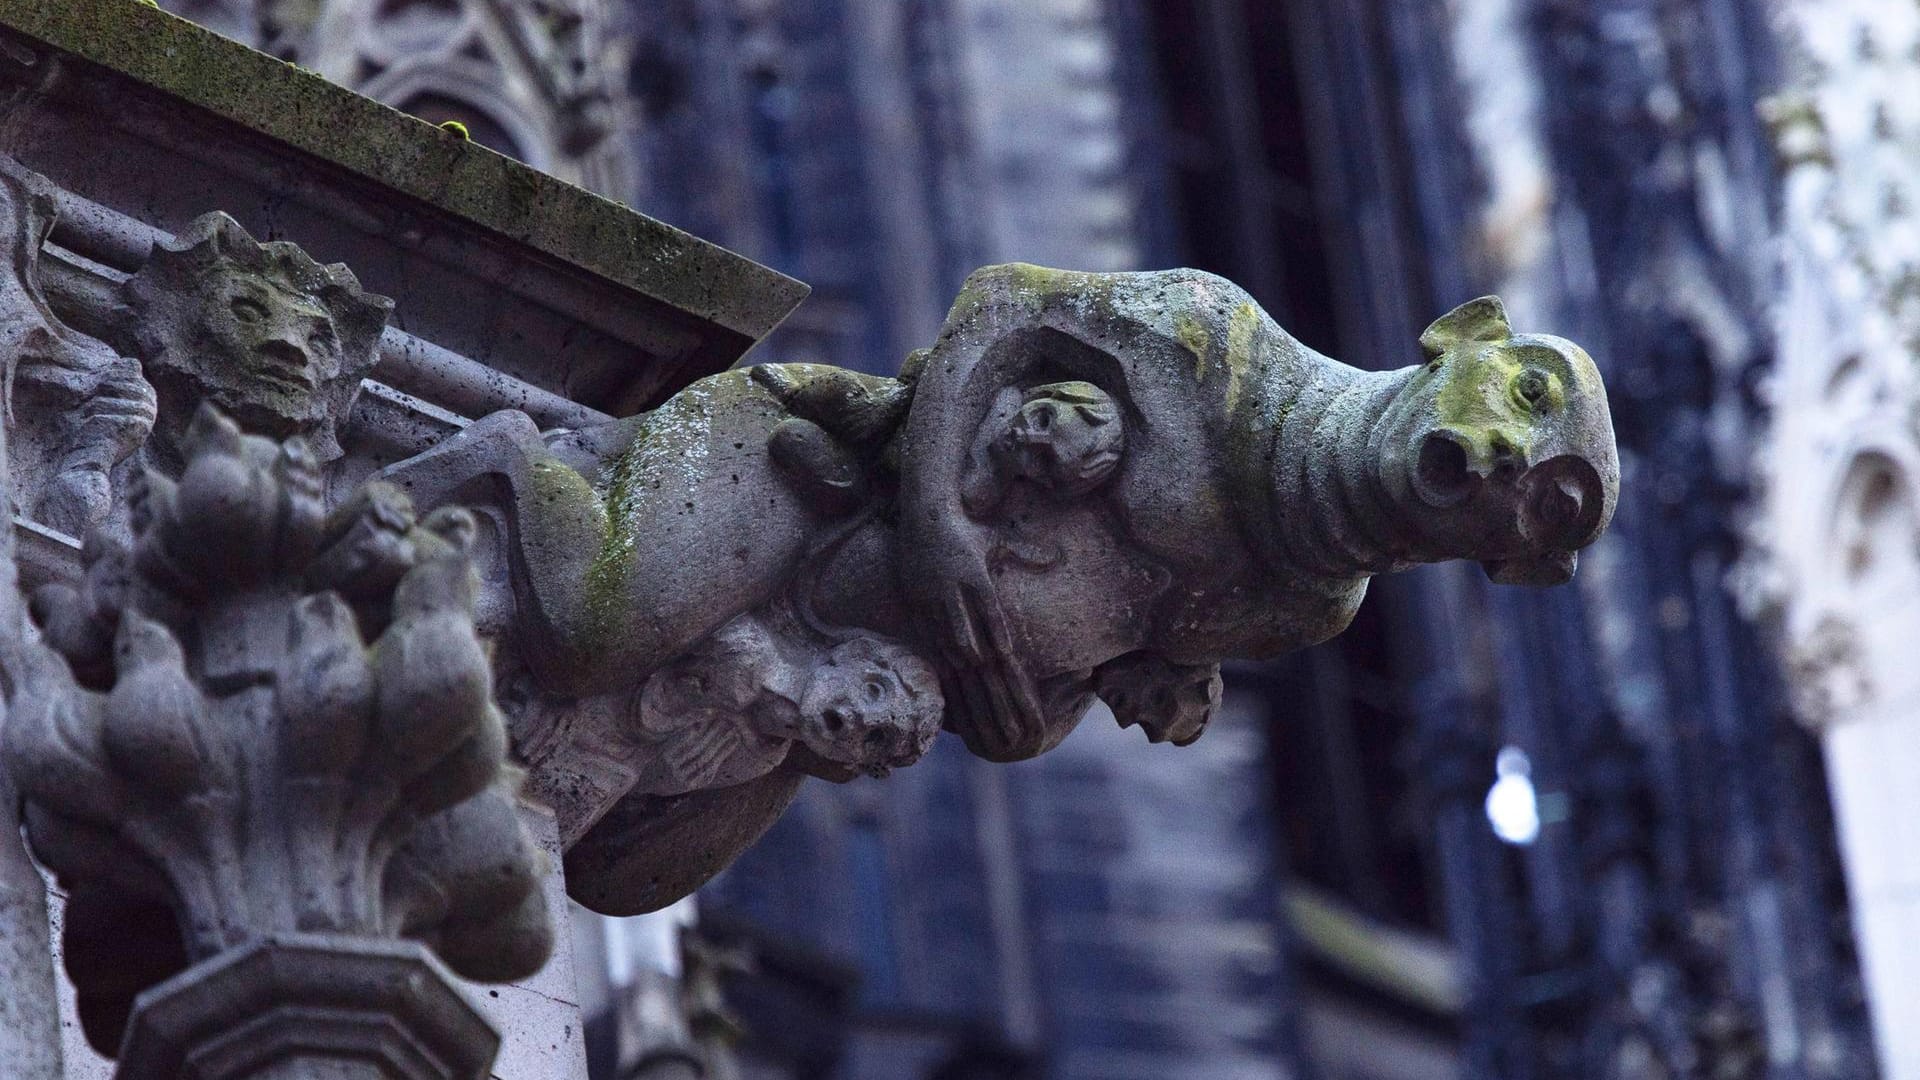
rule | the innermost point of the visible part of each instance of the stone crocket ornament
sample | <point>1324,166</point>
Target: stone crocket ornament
<point>1091,485</point>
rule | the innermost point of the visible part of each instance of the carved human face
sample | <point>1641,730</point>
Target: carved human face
<point>285,342</point>
<point>1505,443</point>
<point>871,705</point>
<point>260,330</point>
<point>1066,437</point>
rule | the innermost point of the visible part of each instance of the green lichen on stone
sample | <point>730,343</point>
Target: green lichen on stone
<point>1240,330</point>
<point>606,584</point>
<point>457,129</point>
<point>410,156</point>
<point>1032,287</point>
<point>1194,338</point>
<point>1474,398</point>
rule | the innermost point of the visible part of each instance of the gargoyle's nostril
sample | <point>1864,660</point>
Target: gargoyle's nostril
<point>1442,474</point>
<point>836,719</point>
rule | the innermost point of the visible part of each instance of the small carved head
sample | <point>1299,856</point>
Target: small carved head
<point>871,704</point>
<point>1504,443</point>
<point>261,330</point>
<point>1067,437</point>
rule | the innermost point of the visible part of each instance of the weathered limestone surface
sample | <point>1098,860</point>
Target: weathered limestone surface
<point>155,182</point>
<point>1092,485</point>
<point>261,737</point>
<point>29,1028</point>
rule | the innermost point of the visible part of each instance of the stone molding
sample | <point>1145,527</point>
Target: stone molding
<point>310,1004</point>
<point>304,112</point>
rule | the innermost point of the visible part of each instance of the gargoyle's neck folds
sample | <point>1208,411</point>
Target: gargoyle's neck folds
<point>1341,522</point>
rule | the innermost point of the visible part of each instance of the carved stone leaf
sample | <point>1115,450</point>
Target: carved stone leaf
<point>225,665</point>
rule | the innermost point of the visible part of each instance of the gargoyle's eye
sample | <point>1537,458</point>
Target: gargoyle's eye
<point>875,691</point>
<point>1531,386</point>
<point>249,310</point>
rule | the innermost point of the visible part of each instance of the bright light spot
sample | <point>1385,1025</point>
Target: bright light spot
<point>1511,804</point>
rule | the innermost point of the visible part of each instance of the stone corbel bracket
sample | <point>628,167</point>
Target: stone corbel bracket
<point>262,740</point>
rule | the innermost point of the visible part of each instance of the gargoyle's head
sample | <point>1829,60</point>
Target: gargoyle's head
<point>1502,447</point>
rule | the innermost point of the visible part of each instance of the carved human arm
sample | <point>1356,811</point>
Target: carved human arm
<point>976,374</point>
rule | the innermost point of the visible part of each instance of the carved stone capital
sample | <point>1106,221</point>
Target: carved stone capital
<point>267,719</point>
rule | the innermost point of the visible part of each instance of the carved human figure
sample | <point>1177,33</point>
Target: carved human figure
<point>1064,439</point>
<point>735,707</point>
<point>730,709</point>
<point>77,407</point>
<point>1092,484</point>
<point>270,336</point>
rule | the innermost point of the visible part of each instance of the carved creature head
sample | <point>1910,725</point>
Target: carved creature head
<point>272,337</point>
<point>1066,437</point>
<point>871,704</point>
<point>1504,445</point>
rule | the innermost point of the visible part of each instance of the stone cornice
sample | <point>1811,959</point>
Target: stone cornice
<point>451,174</point>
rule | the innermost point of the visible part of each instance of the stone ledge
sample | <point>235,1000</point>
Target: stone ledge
<point>306,112</point>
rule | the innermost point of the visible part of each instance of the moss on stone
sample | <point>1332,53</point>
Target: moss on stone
<point>410,156</point>
<point>1194,338</point>
<point>606,584</point>
<point>1473,397</point>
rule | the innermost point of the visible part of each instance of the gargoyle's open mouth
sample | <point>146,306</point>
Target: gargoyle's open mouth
<point>1562,501</point>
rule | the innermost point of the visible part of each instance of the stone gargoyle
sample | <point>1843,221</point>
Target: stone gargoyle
<point>1091,485</point>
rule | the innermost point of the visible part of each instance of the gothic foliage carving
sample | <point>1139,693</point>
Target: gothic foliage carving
<point>260,718</point>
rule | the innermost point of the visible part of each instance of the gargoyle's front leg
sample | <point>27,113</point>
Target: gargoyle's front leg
<point>697,524</point>
<point>556,529</point>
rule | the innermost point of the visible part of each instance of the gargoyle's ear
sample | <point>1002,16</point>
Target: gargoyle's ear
<point>1484,319</point>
